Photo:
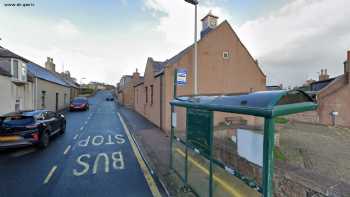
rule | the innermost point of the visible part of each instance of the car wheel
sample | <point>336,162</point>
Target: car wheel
<point>44,140</point>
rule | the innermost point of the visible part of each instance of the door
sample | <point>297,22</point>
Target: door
<point>57,101</point>
<point>17,105</point>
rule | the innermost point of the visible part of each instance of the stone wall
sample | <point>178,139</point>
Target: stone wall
<point>289,181</point>
<point>309,117</point>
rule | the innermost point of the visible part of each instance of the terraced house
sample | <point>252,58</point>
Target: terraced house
<point>225,66</point>
<point>26,85</point>
<point>16,84</point>
<point>332,95</point>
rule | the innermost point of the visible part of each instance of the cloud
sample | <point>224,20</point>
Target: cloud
<point>292,43</point>
<point>66,28</point>
<point>296,41</point>
<point>176,19</point>
<point>102,56</point>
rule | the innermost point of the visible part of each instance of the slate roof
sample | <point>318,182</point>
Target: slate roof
<point>68,81</point>
<point>9,54</point>
<point>45,74</point>
<point>4,72</point>
<point>159,66</point>
<point>142,80</point>
<point>35,70</point>
<point>319,85</point>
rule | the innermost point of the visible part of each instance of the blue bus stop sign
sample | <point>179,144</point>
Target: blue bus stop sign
<point>181,76</point>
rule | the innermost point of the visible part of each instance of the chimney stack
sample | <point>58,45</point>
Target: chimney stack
<point>324,75</point>
<point>136,77</point>
<point>49,65</point>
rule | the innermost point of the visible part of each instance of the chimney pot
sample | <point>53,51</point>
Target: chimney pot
<point>348,56</point>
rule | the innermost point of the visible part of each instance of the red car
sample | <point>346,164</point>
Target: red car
<point>79,104</point>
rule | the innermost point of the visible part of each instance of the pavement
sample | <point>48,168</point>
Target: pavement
<point>95,157</point>
<point>155,147</point>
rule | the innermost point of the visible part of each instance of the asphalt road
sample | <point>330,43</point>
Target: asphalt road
<point>93,158</point>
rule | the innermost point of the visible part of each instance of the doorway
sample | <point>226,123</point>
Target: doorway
<point>57,101</point>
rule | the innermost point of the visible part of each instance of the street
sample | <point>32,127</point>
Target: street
<point>93,158</point>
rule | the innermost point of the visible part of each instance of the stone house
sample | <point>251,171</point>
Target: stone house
<point>224,66</point>
<point>332,95</point>
<point>125,89</point>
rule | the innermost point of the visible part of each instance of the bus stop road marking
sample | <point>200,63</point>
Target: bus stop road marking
<point>47,179</point>
<point>76,136</point>
<point>149,179</point>
<point>224,184</point>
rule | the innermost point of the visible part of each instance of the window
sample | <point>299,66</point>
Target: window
<point>146,89</point>
<point>50,115</point>
<point>151,94</point>
<point>43,94</point>
<point>15,69</point>
<point>18,70</point>
<point>226,55</point>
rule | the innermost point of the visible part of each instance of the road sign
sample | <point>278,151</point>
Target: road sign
<point>181,76</point>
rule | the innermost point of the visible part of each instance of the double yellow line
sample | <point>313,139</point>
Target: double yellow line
<point>149,179</point>
<point>217,179</point>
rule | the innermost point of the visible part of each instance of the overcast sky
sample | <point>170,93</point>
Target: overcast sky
<point>292,39</point>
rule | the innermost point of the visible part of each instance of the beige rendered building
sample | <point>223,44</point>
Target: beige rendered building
<point>224,66</point>
<point>50,91</point>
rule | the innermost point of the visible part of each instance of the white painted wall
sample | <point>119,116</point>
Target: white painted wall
<point>10,92</point>
<point>6,101</point>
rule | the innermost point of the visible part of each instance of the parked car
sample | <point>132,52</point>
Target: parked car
<point>109,99</point>
<point>79,103</point>
<point>30,128</point>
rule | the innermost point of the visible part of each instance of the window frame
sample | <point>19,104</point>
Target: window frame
<point>20,72</point>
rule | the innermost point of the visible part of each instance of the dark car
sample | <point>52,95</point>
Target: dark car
<point>109,99</point>
<point>79,104</point>
<point>30,128</point>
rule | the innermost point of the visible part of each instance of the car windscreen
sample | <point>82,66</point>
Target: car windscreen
<point>79,101</point>
<point>13,121</point>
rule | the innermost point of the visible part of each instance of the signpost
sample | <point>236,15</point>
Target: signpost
<point>181,77</point>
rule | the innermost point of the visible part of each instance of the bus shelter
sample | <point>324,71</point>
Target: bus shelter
<point>198,138</point>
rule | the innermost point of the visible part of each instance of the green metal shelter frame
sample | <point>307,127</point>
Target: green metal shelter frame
<point>265,104</point>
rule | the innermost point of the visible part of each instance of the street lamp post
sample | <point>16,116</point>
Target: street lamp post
<point>195,85</point>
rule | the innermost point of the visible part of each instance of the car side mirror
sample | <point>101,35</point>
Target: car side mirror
<point>61,115</point>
